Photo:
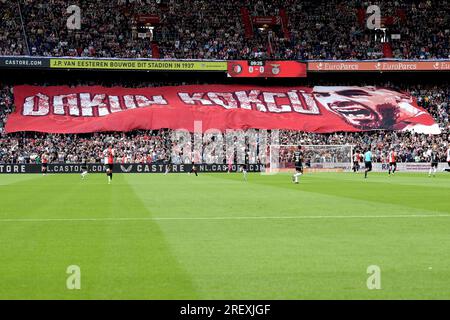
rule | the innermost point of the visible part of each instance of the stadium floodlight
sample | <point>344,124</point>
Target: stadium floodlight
<point>316,158</point>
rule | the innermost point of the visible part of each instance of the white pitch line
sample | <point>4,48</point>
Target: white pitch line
<point>228,218</point>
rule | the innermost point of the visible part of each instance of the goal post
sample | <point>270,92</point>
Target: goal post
<point>316,158</point>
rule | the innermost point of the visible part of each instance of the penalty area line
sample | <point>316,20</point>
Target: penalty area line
<point>229,218</point>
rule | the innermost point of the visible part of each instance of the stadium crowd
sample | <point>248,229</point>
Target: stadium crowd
<point>217,29</point>
<point>156,146</point>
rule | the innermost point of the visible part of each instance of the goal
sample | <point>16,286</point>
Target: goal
<point>316,158</point>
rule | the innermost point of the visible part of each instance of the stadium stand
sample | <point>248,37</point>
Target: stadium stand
<point>225,30</point>
<point>301,30</point>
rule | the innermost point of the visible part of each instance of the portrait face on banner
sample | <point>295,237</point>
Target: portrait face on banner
<point>369,108</point>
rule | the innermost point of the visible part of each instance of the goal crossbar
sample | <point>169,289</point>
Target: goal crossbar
<point>315,157</point>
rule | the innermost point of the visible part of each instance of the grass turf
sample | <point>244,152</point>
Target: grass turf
<point>218,237</point>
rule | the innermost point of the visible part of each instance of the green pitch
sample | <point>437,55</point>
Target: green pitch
<point>218,237</point>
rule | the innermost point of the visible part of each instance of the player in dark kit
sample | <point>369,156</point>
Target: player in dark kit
<point>244,167</point>
<point>194,169</point>
<point>168,164</point>
<point>244,170</point>
<point>298,161</point>
<point>434,158</point>
<point>84,170</point>
<point>356,160</point>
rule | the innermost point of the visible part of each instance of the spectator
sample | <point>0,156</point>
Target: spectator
<point>215,30</point>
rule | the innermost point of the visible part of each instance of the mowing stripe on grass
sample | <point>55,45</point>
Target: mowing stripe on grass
<point>230,218</point>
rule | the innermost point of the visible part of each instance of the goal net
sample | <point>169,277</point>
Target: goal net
<point>316,158</point>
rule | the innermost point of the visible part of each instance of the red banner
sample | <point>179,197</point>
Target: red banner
<point>266,69</point>
<point>222,107</point>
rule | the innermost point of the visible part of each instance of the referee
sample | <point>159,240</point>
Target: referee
<point>367,162</point>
